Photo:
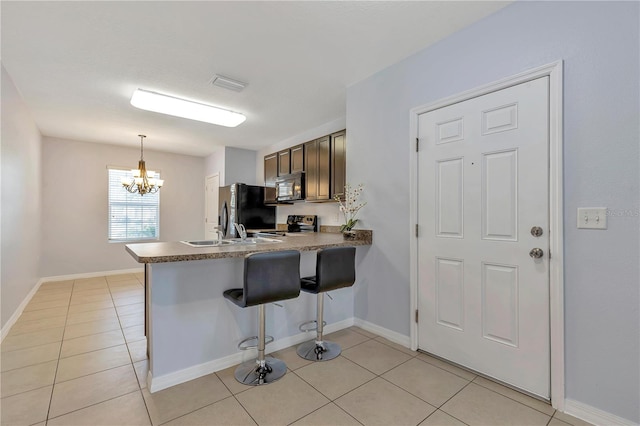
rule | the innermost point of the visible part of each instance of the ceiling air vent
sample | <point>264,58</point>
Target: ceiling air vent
<point>228,83</point>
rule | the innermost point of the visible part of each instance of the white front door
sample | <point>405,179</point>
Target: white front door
<point>212,188</point>
<point>483,182</point>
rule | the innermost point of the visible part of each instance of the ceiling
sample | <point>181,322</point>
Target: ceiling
<point>77,63</point>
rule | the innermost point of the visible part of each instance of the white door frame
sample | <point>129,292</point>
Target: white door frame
<point>556,240</point>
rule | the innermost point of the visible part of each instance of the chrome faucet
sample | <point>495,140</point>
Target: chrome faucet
<point>220,235</point>
<point>242,232</point>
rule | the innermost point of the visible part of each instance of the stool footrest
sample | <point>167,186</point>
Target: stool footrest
<point>243,346</point>
<point>303,327</point>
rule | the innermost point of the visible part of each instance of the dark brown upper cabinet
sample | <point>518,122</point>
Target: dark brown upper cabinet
<point>284,162</point>
<point>318,169</point>
<point>297,158</point>
<point>322,160</point>
<point>338,163</point>
<point>270,169</point>
<point>270,175</point>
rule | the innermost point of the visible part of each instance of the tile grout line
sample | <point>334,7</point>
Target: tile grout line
<point>235,397</point>
<point>135,373</point>
<point>61,342</point>
<point>64,329</point>
<point>405,390</point>
<point>56,373</point>
<point>30,347</point>
<point>333,401</point>
<point>91,405</point>
<point>444,369</point>
<point>515,400</point>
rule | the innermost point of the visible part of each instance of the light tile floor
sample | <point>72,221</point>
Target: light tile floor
<point>77,356</point>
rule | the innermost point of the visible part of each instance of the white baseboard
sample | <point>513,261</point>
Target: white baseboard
<point>91,275</point>
<point>159,383</point>
<point>594,415</point>
<point>393,336</point>
<point>7,327</point>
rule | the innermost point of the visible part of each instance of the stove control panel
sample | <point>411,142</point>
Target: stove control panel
<point>302,223</point>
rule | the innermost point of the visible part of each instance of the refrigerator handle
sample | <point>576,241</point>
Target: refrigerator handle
<point>224,218</point>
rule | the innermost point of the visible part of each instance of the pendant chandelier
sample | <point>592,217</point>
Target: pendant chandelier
<point>144,181</point>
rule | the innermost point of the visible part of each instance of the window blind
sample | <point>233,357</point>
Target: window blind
<point>132,217</point>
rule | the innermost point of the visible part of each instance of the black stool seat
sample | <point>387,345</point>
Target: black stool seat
<point>268,277</point>
<point>335,268</point>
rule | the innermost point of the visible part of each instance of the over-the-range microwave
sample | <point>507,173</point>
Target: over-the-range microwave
<point>290,187</point>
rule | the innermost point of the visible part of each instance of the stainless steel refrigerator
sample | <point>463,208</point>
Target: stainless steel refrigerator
<point>244,204</point>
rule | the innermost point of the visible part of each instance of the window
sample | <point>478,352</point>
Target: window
<point>132,217</point>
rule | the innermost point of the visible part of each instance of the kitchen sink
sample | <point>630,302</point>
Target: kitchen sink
<point>232,241</point>
<point>255,240</point>
<point>208,243</point>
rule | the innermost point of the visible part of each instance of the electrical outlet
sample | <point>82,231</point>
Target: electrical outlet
<point>592,217</point>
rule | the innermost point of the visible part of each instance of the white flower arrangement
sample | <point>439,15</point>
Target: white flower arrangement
<point>350,207</point>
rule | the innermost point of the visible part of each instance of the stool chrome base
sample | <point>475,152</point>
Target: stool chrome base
<point>315,352</point>
<point>255,373</point>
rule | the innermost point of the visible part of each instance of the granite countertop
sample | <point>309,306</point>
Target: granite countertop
<point>179,252</point>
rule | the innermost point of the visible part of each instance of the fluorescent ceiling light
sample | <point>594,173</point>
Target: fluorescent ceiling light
<point>164,104</point>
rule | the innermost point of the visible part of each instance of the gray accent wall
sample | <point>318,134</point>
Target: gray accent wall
<point>75,204</point>
<point>599,44</point>
<point>234,165</point>
<point>21,188</point>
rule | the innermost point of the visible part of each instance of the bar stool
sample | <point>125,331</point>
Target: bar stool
<point>335,268</point>
<point>268,277</point>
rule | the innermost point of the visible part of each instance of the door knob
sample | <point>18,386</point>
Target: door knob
<point>536,231</point>
<point>536,253</point>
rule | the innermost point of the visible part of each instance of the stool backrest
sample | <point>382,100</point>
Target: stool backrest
<point>271,276</point>
<point>335,268</point>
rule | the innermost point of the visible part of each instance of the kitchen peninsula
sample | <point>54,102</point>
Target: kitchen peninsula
<point>193,331</point>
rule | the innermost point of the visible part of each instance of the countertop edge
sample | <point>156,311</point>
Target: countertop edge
<point>184,253</point>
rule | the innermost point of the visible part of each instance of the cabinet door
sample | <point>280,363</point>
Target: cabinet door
<point>324,168</point>
<point>338,163</point>
<point>297,159</point>
<point>270,169</point>
<point>311,170</point>
<point>284,164</point>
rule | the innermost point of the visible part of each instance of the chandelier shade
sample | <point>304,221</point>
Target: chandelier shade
<point>144,181</point>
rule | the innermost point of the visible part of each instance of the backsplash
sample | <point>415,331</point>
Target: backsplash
<point>328,213</point>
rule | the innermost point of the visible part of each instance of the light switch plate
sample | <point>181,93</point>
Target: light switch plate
<point>592,217</point>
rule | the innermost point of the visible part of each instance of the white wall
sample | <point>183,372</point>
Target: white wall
<point>75,204</point>
<point>599,43</point>
<point>21,200</point>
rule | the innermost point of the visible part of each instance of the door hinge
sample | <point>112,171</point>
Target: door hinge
<point>416,230</point>
<point>417,144</point>
<point>416,315</point>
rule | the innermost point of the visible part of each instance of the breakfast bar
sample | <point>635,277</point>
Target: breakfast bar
<point>193,331</point>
